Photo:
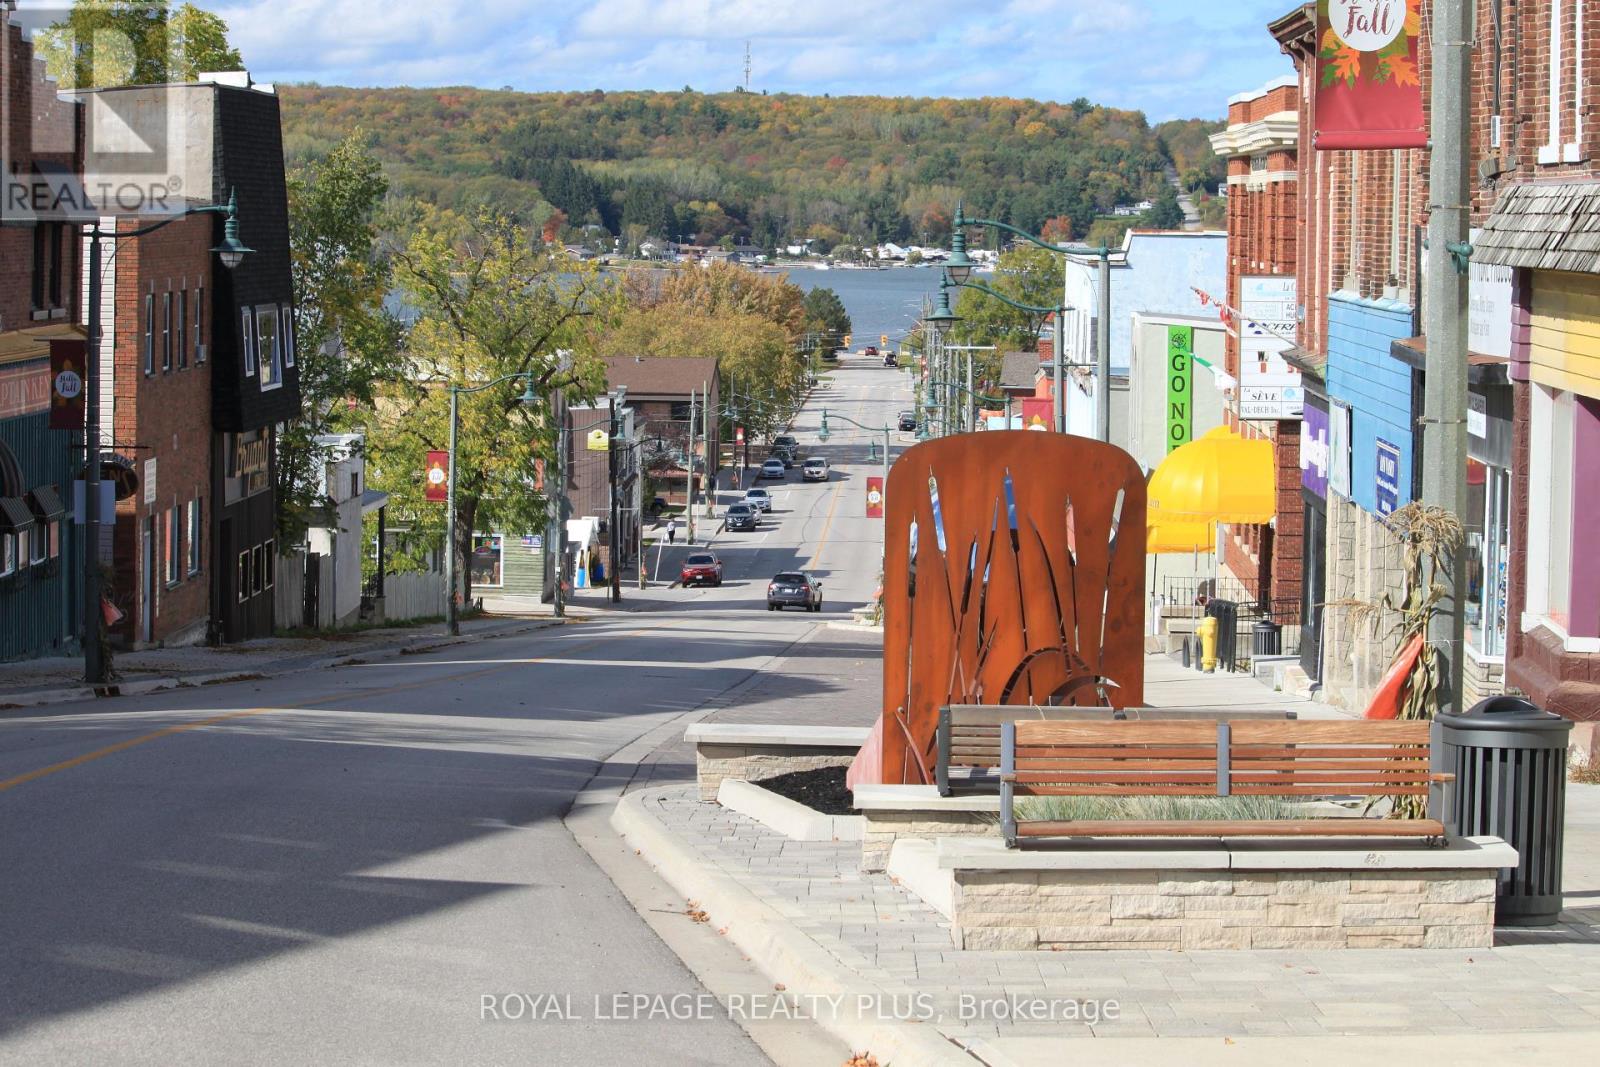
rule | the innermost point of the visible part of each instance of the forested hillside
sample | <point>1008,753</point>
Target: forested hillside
<point>768,169</point>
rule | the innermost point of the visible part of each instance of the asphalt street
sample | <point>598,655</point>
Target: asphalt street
<point>361,864</point>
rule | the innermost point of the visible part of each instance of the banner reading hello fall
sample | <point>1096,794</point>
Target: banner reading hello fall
<point>1368,91</point>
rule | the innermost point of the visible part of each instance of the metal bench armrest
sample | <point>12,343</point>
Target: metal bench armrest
<point>1008,778</point>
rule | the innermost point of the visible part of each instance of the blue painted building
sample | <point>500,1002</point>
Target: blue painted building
<point>1377,388</point>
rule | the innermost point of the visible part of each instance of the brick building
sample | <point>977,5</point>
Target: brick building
<point>1260,144</point>
<point>40,196</point>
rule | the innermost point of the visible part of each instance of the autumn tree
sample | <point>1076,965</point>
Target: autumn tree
<point>825,314</point>
<point>1166,214</point>
<point>134,42</point>
<point>1028,275</point>
<point>488,304</point>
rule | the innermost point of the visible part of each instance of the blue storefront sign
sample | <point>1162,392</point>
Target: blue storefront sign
<point>1386,476</point>
<point>1314,451</point>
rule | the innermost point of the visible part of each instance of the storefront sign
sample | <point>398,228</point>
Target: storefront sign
<point>1180,386</point>
<point>250,461</point>
<point>1339,449</point>
<point>1488,308</point>
<point>1268,387</point>
<point>874,497</point>
<point>1368,92</point>
<point>150,480</point>
<point>24,390</point>
<point>1314,451</point>
<point>1386,476</point>
<point>1477,415</point>
<point>435,477</point>
<point>1037,413</point>
<point>67,360</point>
<point>598,441</point>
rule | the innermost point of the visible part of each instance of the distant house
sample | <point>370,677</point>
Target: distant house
<point>1019,372</point>
<point>578,251</point>
<point>662,391</point>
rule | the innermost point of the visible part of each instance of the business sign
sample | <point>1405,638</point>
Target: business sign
<point>1488,307</point>
<point>67,361</point>
<point>1180,386</point>
<point>1269,388</point>
<point>24,389</point>
<point>1314,451</point>
<point>874,496</point>
<point>150,480</point>
<point>436,477</point>
<point>1368,92</point>
<point>1477,415</point>
<point>1386,476</point>
<point>1339,449</point>
<point>1038,413</point>
<point>598,440</point>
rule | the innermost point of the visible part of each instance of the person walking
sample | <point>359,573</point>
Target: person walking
<point>672,530</point>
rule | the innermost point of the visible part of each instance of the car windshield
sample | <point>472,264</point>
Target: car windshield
<point>702,559</point>
<point>756,493</point>
<point>789,576</point>
<point>815,461</point>
<point>739,509</point>
<point>773,463</point>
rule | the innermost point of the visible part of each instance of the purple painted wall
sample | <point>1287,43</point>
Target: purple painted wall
<point>1585,604</point>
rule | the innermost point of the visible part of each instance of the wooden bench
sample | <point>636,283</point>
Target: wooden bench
<point>968,735</point>
<point>1218,759</point>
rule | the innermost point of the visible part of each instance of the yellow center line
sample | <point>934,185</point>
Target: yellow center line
<point>310,702</point>
<point>827,524</point>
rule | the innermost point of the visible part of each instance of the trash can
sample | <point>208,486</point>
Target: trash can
<point>1510,762</point>
<point>1266,638</point>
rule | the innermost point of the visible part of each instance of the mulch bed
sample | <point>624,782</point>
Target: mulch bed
<point>822,789</point>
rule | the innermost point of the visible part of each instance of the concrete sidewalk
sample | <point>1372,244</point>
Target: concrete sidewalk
<point>59,679</point>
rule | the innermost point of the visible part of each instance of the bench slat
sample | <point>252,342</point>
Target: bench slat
<point>1300,731</point>
<point>1240,752</point>
<point>1116,733</point>
<point>1040,764</point>
<point>1235,828</point>
<point>1383,763</point>
<point>1199,789</point>
<point>1118,751</point>
<point>1328,789</point>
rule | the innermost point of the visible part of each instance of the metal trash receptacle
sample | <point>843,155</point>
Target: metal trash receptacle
<point>1226,612</point>
<point>1266,638</point>
<point>1510,762</point>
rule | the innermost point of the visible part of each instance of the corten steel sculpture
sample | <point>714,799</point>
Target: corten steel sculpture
<point>1013,574</point>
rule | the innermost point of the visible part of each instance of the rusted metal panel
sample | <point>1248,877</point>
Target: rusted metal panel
<point>1013,574</point>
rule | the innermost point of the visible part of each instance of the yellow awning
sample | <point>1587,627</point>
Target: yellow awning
<point>1218,477</point>
<point>1165,534</point>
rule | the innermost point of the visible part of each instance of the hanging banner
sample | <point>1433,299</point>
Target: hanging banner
<point>874,497</point>
<point>1037,413</point>
<point>1180,385</point>
<point>436,475</point>
<point>1368,92</point>
<point>67,360</point>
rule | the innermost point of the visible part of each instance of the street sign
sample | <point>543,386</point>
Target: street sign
<point>1386,477</point>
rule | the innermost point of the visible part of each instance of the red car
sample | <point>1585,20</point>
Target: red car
<point>701,568</point>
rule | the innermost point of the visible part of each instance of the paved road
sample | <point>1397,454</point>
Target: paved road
<point>340,866</point>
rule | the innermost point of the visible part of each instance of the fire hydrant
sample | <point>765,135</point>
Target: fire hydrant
<point>1206,628</point>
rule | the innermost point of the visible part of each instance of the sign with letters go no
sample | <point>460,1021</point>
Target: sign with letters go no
<point>1180,385</point>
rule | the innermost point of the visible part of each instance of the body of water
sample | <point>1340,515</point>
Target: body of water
<point>879,301</point>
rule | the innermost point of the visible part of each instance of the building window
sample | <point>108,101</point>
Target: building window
<point>8,554</point>
<point>269,354</point>
<point>247,341</point>
<point>149,333</point>
<point>178,326</point>
<point>243,577</point>
<point>269,561</point>
<point>166,331</point>
<point>24,546</point>
<point>47,241</point>
<point>194,536</point>
<point>39,549</point>
<point>1488,556</point>
<point>174,546</point>
<point>258,568</point>
<point>487,555</point>
<point>199,321</point>
<point>287,318</point>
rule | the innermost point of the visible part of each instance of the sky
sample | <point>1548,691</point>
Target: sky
<point>1167,58</point>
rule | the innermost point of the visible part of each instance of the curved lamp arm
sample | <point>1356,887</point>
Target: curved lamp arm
<point>1007,300</point>
<point>1070,250</point>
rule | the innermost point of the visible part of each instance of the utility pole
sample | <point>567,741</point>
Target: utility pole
<point>688,499</point>
<point>94,665</point>
<point>1444,422</point>
<point>560,599</point>
<point>1058,340</point>
<point>615,540</point>
<point>1102,394</point>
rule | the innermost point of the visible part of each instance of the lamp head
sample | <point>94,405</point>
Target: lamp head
<point>942,317</point>
<point>232,250</point>
<point>822,433</point>
<point>527,396</point>
<point>958,266</point>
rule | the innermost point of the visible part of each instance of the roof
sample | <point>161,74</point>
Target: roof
<point>660,376</point>
<point>1018,369</point>
<point>1544,227</point>
<point>1481,369</point>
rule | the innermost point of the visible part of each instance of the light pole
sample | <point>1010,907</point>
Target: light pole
<point>614,401</point>
<point>940,321</point>
<point>823,434</point>
<point>959,267</point>
<point>1060,313</point>
<point>976,399</point>
<point>452,622</point>
<point>231,253</point>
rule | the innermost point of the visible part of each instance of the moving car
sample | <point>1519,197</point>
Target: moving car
<point>787,441</point>
<point>815,470</point>
<point>742,517</point>
<point>794,589</point>
<point>772,468</point>
<point>908,421</point>
<point>784,456</point>
<point>701,568</point>
<point>871,350</point>
<point>758,498</point>
<point>891,360</point>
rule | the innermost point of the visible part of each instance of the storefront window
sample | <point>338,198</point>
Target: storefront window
<point>487,554</point>
<point>1488,529</point>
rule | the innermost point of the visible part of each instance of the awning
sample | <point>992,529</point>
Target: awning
<point>45,503</point>
<point>14,514</point>
<point>1540,226</point>
<point>1219,477</point>
<point>1165,534</point>
<point>33,342</point>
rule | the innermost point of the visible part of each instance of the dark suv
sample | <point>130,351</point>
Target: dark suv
<point>743,517</point>
<point>795,589</point>
<point>908,421</point>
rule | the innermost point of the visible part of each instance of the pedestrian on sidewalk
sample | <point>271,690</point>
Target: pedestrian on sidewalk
<point>672,530</point>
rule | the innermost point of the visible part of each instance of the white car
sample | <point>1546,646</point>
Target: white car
<point>772,468</point>
<point>815,470</point>
<point>759,499</point>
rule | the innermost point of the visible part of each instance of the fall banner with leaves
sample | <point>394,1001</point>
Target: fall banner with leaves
<point>1368,92</point>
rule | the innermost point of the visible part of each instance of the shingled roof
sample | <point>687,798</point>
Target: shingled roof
<point>1018,370</point>
<point>660,376</point>
<point>1544,227</point>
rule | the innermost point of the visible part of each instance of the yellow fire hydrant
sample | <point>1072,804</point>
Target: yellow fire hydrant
<point>1207,629</point>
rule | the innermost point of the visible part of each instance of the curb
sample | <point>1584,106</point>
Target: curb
<point>144,686</point>
<point>776,947</point>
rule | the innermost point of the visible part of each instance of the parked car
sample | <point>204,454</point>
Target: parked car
<point>701,568</point>
<point>788,441</point>
<point>742,517</point>
<point>758,498</point>
<point>815,470</point>
<point>782,455</point>
<point>772,468</point>
<point>908,422</point>
<point>794,589</point>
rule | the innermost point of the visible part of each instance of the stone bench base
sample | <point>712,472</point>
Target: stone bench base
<point>1239,897</point>
<point>754,753</point>
<point>918,812</point>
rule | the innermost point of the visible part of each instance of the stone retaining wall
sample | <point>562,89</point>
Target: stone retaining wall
<point>756,762</point>
<point>884,827</point>
<point>1222,909</point>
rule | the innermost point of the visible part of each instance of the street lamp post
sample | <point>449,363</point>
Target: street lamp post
<point>823,434</point>
<point>452,621</point>
<point>940,321</point>
<point>959,267</point>
<point>1060,313</point>
<point>231,252</point>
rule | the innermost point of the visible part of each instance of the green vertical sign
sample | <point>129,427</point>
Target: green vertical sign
<point>1180,386</point>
